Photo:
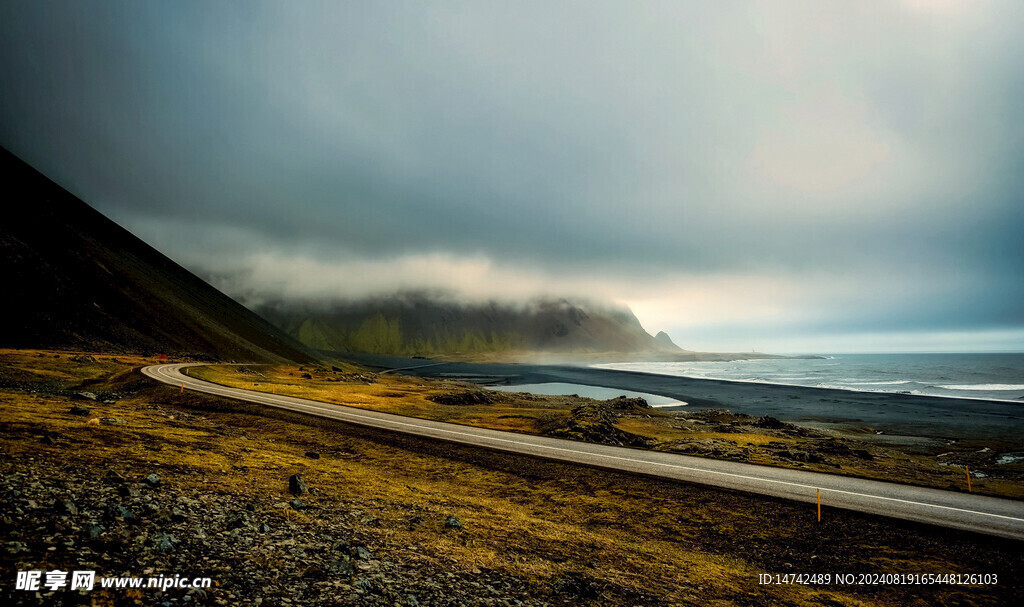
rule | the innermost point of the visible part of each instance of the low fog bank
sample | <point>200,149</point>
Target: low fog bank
<point>441,322</point>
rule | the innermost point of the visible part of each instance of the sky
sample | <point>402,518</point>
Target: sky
<point>780,176</point>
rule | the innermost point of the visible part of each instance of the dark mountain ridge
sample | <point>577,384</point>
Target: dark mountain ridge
<point>418,323</point>
<point>75,279</point>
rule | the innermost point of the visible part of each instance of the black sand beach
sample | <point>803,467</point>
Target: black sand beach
<point>902,418</point>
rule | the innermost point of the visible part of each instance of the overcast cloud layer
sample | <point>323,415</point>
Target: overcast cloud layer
<point>800,176</point>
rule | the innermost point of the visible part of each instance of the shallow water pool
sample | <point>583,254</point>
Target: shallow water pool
<point>598,392</point>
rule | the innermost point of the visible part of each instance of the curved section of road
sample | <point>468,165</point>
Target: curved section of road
<point>982,514</point>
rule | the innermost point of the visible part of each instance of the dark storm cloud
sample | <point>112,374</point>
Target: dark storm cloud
<point>818,168</point>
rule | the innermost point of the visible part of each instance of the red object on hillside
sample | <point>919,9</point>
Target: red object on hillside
<point>162,357</point>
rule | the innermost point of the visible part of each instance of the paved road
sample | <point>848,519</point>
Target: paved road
<point>1001,517</point>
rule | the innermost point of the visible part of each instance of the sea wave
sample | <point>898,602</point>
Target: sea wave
<point>985,387</point>
<point>847,386</point>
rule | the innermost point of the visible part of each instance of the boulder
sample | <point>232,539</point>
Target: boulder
<point>165,542</point>
<point>66,508</point>
<point>296,485</point>
<point>769,422</point>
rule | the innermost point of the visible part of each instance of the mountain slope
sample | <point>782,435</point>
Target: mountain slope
<point>425,324</point>
<point>73,278</point>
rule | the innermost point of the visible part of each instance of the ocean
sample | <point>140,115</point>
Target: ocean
<point>988,376</point>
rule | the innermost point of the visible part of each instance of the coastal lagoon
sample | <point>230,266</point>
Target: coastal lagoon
<point>598,392</point>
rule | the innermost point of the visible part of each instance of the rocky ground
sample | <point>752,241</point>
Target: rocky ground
<point>793,443</point>
<point>270,551</point>
<point>595,422</point>
<point>67,504</point>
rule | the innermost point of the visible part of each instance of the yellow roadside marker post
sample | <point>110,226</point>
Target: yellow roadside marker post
<point>967,469</point>
<point>819,505</point>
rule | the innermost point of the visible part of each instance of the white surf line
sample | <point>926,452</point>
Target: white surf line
<point>313,405</point>
<point>815,387</point>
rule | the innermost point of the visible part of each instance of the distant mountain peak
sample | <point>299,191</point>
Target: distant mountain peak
<point>663,338</point>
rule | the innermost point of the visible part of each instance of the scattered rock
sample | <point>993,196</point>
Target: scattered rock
<point>237,520</point>
<point>152,480</point>
<point>127,490</point>
<point>595,423</point>
<point>863,454</point>
<point>78,410</point>
<point>452,522</point>
<point>165,542</point>
<point>296,485</point>
<point>341,566</point>
<point>834,447</point>
<point>297,505</point>
<point>15,548</point>
<point>312,455</point>
<point>123,513</point>
<point>801,456</point>
<point>364,585</point>
<point>306,376</point>
<point>66,508</point>
<point>577,585</point>
<point>769,422</point>
<point>624,403</point>
<point>462,398</point>
<point>111,421</point>
<point>363,554</point>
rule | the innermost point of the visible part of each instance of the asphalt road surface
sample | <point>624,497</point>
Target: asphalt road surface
<point>982,514</point>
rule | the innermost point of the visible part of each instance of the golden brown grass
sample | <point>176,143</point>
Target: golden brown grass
<point>680,543</point>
